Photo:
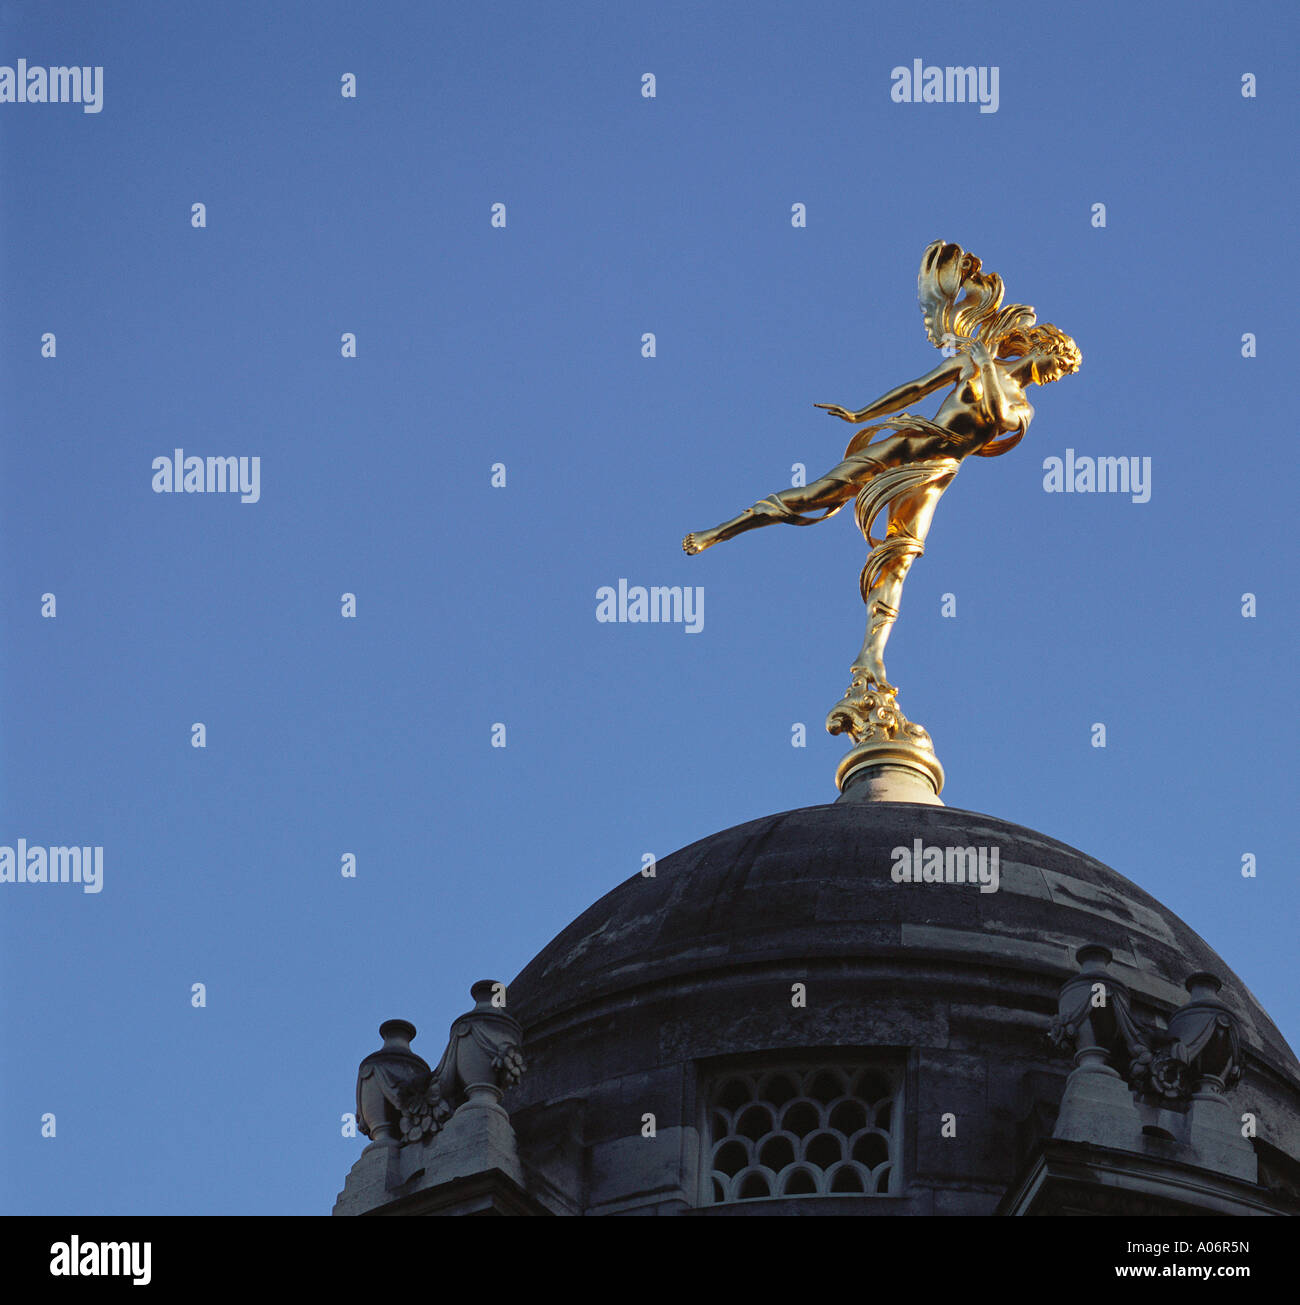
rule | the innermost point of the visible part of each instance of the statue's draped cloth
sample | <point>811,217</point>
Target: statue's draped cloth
<point>879,485</point>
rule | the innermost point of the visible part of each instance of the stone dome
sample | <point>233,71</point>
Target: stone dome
<point>635,1008</point>
<point>812,888</point>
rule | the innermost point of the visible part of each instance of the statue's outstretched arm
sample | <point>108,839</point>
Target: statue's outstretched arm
<point>948,372</point>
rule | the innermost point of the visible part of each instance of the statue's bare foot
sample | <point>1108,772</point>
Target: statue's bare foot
<point>869,672</point>
<point>697,543</point>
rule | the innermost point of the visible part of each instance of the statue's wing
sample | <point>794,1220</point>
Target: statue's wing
<point>957,299</point>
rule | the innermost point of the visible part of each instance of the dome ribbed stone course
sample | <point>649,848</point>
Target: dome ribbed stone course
<point>813,886</point>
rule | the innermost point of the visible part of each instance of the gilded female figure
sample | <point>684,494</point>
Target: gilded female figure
<point>997,353</point>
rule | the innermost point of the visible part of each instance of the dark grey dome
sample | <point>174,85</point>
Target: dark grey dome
<point>779,1021</point>
<point>811,889</point>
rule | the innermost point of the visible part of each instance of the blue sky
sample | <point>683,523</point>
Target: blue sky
<point>476,605</point>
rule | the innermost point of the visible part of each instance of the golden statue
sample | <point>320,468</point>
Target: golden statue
<point>995,353</point>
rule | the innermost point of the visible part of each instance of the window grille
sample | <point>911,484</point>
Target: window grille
<point>820,1130</point>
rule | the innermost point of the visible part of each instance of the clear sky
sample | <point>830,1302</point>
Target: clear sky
<point>523,345</point>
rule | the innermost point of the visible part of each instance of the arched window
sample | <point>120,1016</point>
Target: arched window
<point>802,1130</point>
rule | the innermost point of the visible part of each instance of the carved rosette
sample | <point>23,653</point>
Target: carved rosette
<point>1164,1074</point>
<point>1094,1017</point>
<point>423,1110</point>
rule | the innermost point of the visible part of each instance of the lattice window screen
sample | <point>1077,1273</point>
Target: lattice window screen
<point>808,1130</point>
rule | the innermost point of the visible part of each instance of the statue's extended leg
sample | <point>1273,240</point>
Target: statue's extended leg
<point>825,495</point>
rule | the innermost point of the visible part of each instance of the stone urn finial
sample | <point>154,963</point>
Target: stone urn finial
<point>1203,1038</point>
<point>482,1057</point>
<point>1083,1020</point>
<point>1094,1018</point>
<point>384,1080</point>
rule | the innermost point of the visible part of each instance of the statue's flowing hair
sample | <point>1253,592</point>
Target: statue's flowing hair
<point>961,304</point>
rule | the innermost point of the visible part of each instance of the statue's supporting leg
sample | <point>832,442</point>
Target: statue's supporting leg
<point>887,566</point>
<point>882,591</point>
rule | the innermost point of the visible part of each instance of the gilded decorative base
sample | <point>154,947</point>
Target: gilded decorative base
<point>893,758</point>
